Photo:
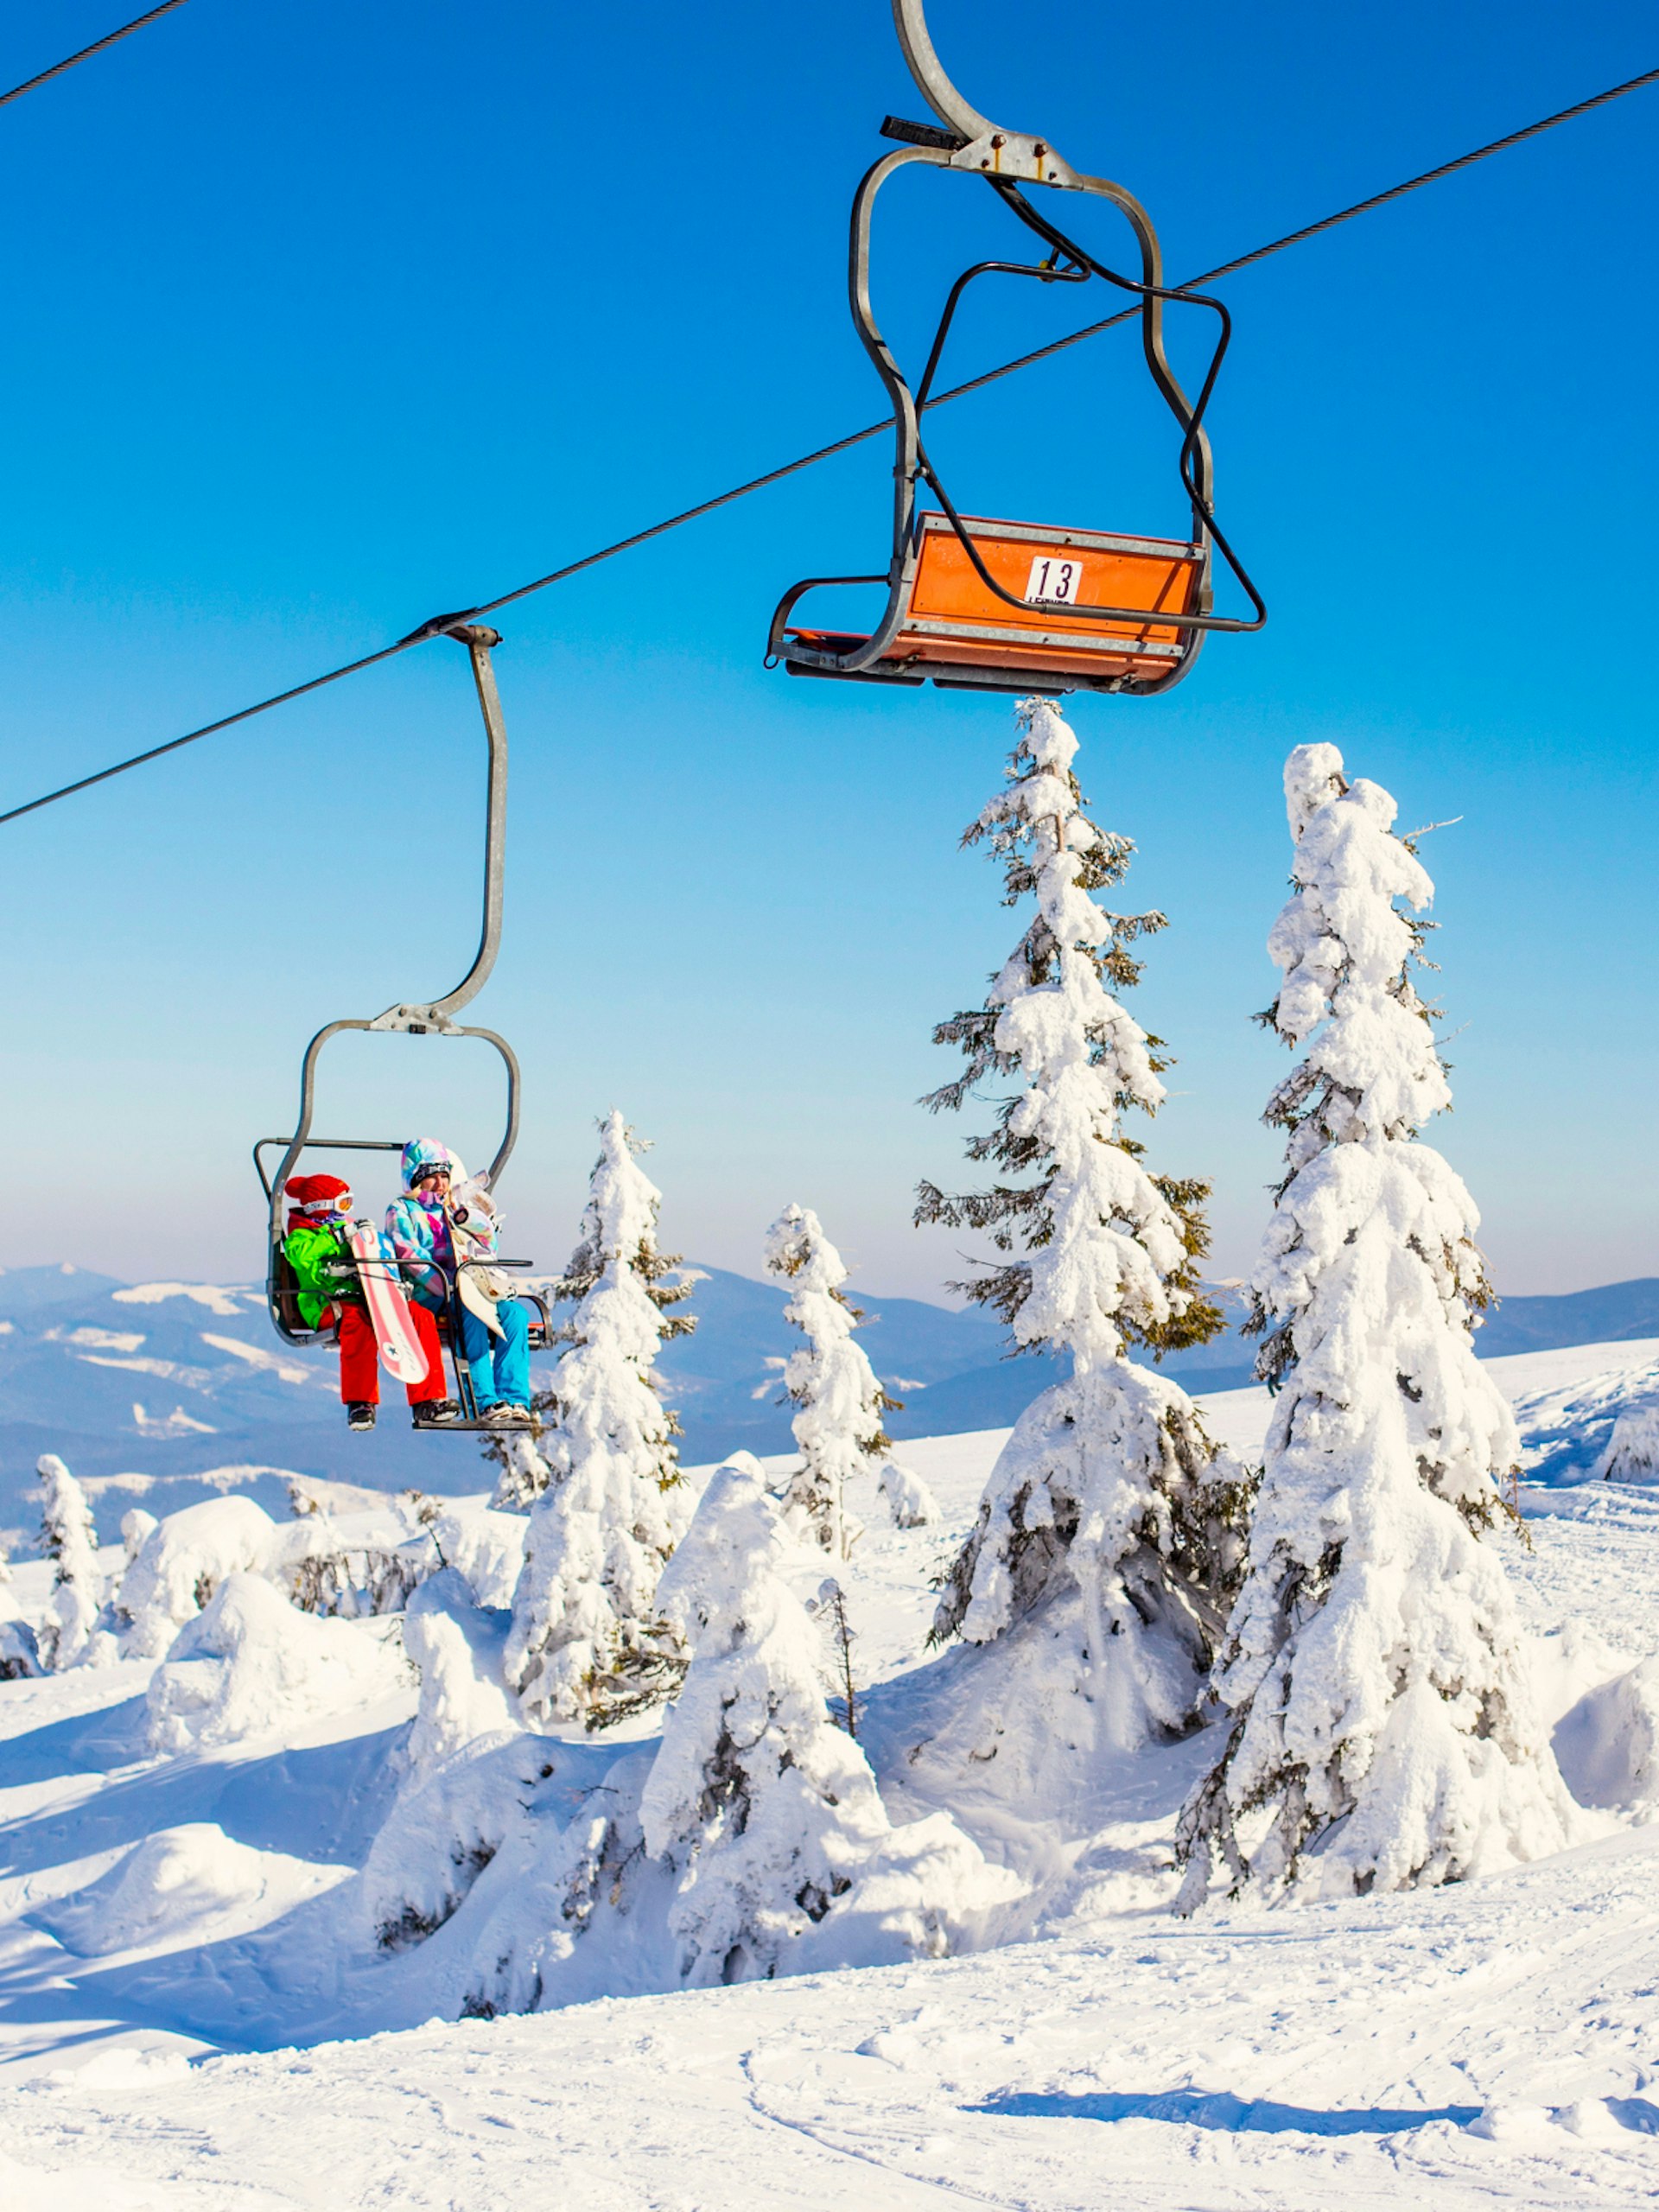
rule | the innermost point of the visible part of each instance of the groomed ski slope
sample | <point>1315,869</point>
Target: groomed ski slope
<point>1492,2044</point>
<point>1492,2047</point>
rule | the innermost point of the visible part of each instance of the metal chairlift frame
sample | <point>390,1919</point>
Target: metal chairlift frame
<point>970,143</point>
<point>436,1018</point>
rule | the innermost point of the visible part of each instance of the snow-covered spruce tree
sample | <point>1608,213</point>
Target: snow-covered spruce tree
<point>838,1424</point>
<point>1382,1731</point>
<point>764,1807</point>
<point>763,1813</point>
<point>588,1643</point>
<point>70,1540</point>
<point>1109,1483</point>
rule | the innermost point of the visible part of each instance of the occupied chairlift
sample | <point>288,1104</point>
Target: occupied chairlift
<point>435,1018</point>
<point>985,606</point>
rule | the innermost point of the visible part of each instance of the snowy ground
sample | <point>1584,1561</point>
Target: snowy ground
<point>165,1923</point>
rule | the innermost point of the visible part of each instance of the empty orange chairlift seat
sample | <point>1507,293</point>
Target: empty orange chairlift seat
<point>953,620</point>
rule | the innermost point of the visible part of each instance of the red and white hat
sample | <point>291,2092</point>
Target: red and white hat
<point>316,1197</point>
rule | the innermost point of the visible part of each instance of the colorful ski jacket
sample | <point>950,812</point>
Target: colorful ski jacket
<point>322,1262</point>
<point>417,1229</point>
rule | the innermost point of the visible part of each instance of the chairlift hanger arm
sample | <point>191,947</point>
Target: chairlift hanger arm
<point>436,1013</point>
<point>909,21</point>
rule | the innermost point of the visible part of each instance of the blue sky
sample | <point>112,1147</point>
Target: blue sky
<point>325,318</point>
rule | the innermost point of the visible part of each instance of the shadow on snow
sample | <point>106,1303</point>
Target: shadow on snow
<point>1220,2109</point>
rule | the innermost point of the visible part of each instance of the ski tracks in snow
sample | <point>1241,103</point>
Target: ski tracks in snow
<point>1479,2050</point>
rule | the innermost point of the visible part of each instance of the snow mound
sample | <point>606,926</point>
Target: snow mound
<point>447,1824</point>
<point>1567,1427</point>
<point>249,1664</point>
<point>179,1564</point>
<point>308,1494</point>
<point>1607,1745</point>
<point>173,1887</point>
<point>458,1647</point>
<point>925,1891</point>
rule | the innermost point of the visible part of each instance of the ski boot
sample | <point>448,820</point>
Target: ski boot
<point>359,1415</point>
<point>436,1413</point>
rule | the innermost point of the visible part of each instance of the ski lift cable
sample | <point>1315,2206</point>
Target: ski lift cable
<point>440,625</point>
<point>86,52</point>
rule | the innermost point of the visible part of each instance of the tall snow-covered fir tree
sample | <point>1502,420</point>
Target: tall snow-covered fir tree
<point>69,1540</point>
<point>840,1404</point>
<point>1109,1484</point>
<point>588,1643</point>
<point>1382,1726</point>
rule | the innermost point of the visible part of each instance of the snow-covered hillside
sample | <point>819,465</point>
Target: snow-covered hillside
<point>207,1995</point>
<point>162,1394</point>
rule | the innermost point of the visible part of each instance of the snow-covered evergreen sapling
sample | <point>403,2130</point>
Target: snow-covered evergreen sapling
<point>1633,1450</point>
<point>136,1529</point>
<point>1108,1482</point>
<point>1383,1732</point>
<point>910,1501</point>
<point>69,1540</point>
<point>839,1403</point>
<point>764,1807</point>
<point>765,1815</point>
<point>588,1643</point>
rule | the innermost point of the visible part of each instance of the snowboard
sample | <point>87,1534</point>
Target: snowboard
<point>394,1332</point>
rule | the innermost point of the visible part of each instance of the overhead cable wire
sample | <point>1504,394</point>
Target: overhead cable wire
<point>436,627</point>
<point>87,52</point>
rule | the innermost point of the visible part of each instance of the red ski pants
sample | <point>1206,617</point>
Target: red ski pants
<point>359,1364</point>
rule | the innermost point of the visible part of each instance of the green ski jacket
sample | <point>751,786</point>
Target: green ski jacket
<point>326,1270</point>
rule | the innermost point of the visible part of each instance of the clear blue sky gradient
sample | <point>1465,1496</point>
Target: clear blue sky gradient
<point>322,319</point>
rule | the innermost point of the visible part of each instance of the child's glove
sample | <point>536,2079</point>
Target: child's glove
<point>338,1273</point>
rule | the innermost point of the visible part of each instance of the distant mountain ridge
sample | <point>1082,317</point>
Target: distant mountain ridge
<point>150,1390</point>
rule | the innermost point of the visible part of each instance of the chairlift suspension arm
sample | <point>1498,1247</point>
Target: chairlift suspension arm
<point>435,1013</point>
<point>909,21</point>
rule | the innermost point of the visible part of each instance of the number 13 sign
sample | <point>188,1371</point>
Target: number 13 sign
<point>1058,581</point>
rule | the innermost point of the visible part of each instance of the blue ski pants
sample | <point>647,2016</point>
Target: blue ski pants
<point>500,1365</point>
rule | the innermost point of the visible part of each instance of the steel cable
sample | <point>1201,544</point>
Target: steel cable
<point>87,52</point>
<point>821,453</point>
